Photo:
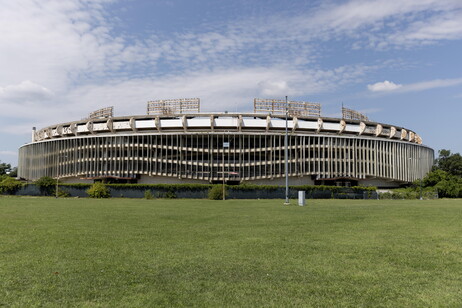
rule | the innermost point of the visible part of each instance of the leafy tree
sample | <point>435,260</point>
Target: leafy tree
<point>434,177</point>
<point>4,168</point>
<point>14,172</point>
<point>450,188</point>
<point>446,175</point>
<point>451,163</point>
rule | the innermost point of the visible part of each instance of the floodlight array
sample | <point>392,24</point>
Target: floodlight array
<point>173,106</point>
<point>279,106</point>
<point>349,114</point>
<point>102,113</point>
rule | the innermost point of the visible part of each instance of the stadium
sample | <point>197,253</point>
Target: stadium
<point>176,143</point>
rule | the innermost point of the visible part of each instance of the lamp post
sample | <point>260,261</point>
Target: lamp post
<point>286,154</point>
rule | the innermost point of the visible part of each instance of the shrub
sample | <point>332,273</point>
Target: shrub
<point>98,190</point>
<point>63,194</point>
<point>386,195</point>
<point>216,192</point>
<point>46,185</point>
<point>170,194</point>
<point>9,185</point>
<point>148,194</point>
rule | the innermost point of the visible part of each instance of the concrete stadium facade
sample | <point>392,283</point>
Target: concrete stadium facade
<point>212,147</point>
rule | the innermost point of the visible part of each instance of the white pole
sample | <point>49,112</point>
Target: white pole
<point>286,153</point>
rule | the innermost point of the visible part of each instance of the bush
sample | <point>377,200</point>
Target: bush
<point>170,194</point>
<point>386,195</point>
<point>46,185</point>
<point>148,195</point>
<point>449,188</point>
<point>98,190</point>
<point>216,192</point>
<point>63,194</point>
<point>9,185</point>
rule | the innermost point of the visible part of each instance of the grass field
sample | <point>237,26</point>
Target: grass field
<point>144,253</point>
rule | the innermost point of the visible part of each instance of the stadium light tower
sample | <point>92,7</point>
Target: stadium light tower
<point>286,154</point>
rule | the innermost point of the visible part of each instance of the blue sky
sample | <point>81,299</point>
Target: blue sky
<point>399,62</point>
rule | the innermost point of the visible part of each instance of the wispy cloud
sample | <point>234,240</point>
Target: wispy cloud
<point>24,92</point>
<point>388,86</point>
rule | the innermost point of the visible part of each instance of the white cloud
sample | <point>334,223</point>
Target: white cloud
<point>57,42</point>
<point>384,86</point>
<point>432,84</point>
<point>25,91</point>
<point>441,27</point>
<point>387,86</point>
<point>382,24</point>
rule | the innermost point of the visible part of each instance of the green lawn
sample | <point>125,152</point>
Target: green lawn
<point>144,253</point>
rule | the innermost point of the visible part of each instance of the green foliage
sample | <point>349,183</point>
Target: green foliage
<point>216,192</point>
<point>409,193</point>
<point>45,182</point>
<point>170,194</point>
<point>434,177</point>
<point>63,194</point>
<point>165,187</point>
<point>450,188</point>
<point>4,168</point>
<point>451,163</point>
<point>46,185</point>
<point>446,175</point>
<point>98,190</point>
<point>9,185</point>
<point>148,195</point>
<point>76,185</point>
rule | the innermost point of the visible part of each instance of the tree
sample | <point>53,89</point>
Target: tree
<point>4,168</point>
<point>434,177</point>
<point>13,172</point>
<point>450,188</point>
<point>451,163</point>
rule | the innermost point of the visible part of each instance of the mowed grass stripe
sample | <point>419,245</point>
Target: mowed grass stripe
<point>138,253</point>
